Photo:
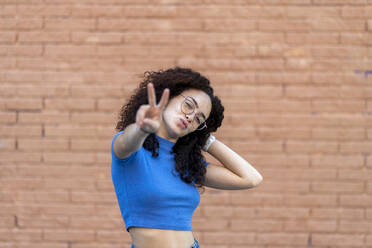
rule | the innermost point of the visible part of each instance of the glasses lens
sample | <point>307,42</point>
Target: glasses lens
<point>187,107</point>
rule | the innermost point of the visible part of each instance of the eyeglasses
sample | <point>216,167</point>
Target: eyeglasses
<point>188,107</point>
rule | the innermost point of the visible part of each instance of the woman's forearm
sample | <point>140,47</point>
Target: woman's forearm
<point>234,162</point>
<point>130,140</point>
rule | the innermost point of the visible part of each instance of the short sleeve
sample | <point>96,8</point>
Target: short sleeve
<point>113,155</point>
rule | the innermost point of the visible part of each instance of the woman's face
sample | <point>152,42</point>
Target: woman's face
<point>178,117</point>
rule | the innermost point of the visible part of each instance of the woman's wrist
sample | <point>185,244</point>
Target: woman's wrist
<point>209,142</point>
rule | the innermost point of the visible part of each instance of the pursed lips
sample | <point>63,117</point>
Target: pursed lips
<point>185,124</point>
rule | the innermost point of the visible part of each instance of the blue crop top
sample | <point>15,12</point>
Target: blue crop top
<point>149,194</point>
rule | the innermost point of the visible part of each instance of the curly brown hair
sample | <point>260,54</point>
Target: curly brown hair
<point>189,160</point>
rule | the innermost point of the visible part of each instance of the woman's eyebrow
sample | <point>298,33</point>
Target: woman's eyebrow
<point>198,107</point>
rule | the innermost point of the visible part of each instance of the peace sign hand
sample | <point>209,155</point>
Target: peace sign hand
<point>149,116</point>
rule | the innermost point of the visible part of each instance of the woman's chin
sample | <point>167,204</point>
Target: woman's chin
<point>176,132</point>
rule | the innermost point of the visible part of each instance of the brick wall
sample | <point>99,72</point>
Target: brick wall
<point>295,78</point>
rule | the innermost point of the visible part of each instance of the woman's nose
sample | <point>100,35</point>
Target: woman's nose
<point>188,117</point>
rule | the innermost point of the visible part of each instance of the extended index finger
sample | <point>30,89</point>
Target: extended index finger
<point>151,94</point>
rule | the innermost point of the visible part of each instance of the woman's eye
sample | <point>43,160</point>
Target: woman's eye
<point>188,105</point>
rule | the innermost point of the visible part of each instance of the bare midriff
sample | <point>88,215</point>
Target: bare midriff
<point>160,238</point>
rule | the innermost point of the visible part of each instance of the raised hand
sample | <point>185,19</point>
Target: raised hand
<point>149,116</point>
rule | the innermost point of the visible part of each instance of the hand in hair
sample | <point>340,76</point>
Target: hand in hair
<point>149,116</point>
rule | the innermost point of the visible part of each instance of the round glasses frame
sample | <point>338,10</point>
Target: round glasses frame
<point>192,110</point>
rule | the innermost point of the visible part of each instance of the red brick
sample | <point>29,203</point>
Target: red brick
<point>160,11</point>
<point>70,51</point>
<point>337,239</point>
<point>265,199</point>
<point>68,210</point>
<point>311,147</point>
<point>90,144</point>
<point>7,222</point>
<point>357,200</point>
<point>109,104</point>
<point>338,213</point>
<point>96,11</point>
<point>20,131</point>
<point>220,211</point>
<point>7,37</point>
<point>235,238</point>
<point>68,235</point>
<point>282,239</point>
<point>69,130</point>
<point>256,225</point>
<point>354,12</point>
<point>342,187</point>
<point>46,144</point>
<point>86,197</point>
<point>369,25</point>
<point>288,186</point>
<point>312,92</point>
<point>21,104</point>
<point>257,146</point>
<point>229,52</point>
<point>27,235</point>
<point>284,25</point>
<point>36,221</point>
<point>107,223</point>
<point>310,200</point>
<point>6,63</point>
<point>229,25</point>
<point>69,24</point>
<point>96,90</point>
<point>300,174</point>
<point>42,90</point>
<point>8,171</point>
<point>7,144</point>
<point>21,50</point>
<point>354,226</point>
<point>310,11</point>
<point>87,118</point>
<point>345,134</point>
<point>160,38</point>
<point>69,104</point>
<point>356,147</point>
<point>356,175</point>
<point>150,24</point>
<point>20,157</point>
<point>328,24</point>
<point>341,51</point>
<point>102,38</point>
<point>337,161</point>
<point>105,235</point>
<point>43,10</point>
<point>66,157</point>
<point>310,226</point>
<point>213,225</point>
<point>45,117</point>
<point>21,23</point>
<point>8,10</point>
<point>44,37</point>
<point>42,244</point>
<point>22,183</point>
<point>312,38</point>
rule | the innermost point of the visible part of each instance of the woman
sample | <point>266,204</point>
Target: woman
<point>157,166</point>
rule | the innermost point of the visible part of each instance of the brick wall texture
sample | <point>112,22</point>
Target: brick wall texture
<point>295,77</point>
